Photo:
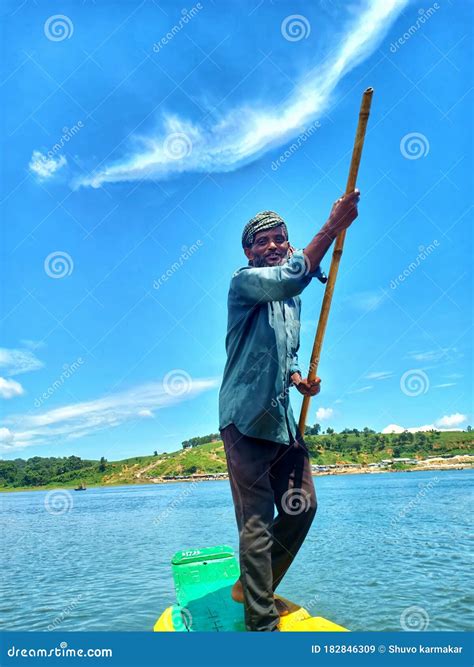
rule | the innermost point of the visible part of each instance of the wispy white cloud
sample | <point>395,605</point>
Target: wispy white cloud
<point>245,133</point>
<point>433,355</point>
<point>16,360</point>
<point>78,420</point>
<point>367,301</point>
<point>10,388</point>
<point>45,167</point>
<point>32,344</point>
<point>444,384</point>
<point>361,390</point>
<point>446,423</point>
<point>379,375</point>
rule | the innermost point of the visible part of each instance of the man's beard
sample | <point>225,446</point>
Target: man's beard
<point>261,260</point>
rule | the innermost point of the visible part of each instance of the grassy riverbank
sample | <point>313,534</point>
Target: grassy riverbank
<point>336,448</point>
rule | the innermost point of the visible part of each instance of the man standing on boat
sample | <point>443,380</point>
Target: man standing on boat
<point>267,458</point>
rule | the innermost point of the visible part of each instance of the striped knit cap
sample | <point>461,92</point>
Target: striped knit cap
<point>263,220</point>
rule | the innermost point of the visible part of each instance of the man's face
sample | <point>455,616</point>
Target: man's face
<point>270,247</point>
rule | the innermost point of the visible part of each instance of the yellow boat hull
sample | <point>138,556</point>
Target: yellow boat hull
<point>203,581</point>
<point>298,620</point>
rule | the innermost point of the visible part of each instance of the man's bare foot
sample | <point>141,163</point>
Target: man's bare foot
<point>237,594</point>
<point>282,608</point>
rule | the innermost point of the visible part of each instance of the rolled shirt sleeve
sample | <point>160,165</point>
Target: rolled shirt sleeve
<point>274,283</point>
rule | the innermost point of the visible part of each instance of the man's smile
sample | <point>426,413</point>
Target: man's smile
<point>273,256</point>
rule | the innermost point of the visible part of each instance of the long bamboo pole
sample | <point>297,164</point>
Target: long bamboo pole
<point>337,253</point>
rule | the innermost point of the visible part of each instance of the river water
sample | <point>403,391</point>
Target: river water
<point>386,552</point>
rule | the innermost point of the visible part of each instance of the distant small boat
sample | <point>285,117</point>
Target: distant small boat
<point>81,487</point>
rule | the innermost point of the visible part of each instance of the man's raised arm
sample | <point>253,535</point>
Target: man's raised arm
<point>343,213</point>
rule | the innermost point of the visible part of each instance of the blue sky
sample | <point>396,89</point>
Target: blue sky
<point>141,136</point>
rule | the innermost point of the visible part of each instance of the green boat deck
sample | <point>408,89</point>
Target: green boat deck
<point>203,580</point>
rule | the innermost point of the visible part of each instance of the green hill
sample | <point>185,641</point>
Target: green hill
<point>347,447</point>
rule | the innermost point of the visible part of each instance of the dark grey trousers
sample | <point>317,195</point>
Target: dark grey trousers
<point>263,474</point>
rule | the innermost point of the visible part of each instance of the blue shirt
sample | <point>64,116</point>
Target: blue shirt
<point>262,342</point>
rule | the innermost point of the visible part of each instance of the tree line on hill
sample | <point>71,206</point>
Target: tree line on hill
<point>201,440</point>
<point>353,442</point>
<point>39,470</point>
<point>348,445</point>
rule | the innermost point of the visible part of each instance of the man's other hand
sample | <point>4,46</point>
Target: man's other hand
<point>305,386</point>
